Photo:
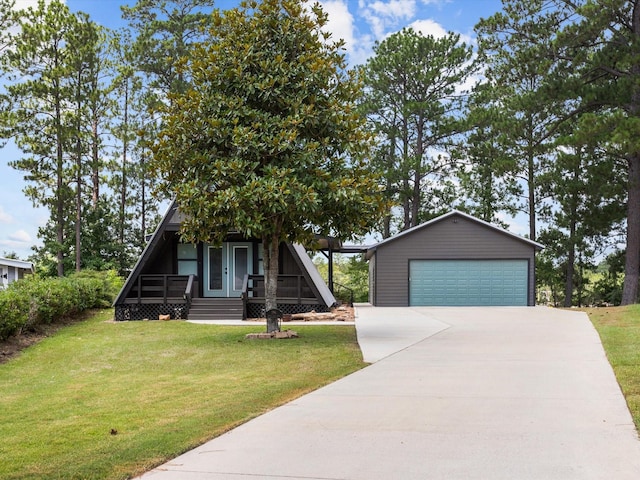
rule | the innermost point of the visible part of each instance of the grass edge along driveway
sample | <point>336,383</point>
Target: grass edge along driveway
<point>104,400</point>
<point>619,330</point>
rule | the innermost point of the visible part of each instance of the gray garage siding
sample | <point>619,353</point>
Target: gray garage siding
<point>372,280</point>
<point>453,237</point>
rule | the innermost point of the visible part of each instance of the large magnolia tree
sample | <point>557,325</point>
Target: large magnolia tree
<point>268,141</point>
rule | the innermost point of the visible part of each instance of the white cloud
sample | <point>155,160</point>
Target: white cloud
<point>24,4</point>
<point>20,236</point>
<point>395,9</point>
<point>340,22</point>
<point>18,242</point>
<point>439,3</point>
<point>342,25</point>
<point>383,16</point>
<point>428,27</point>
<point>4,216</point>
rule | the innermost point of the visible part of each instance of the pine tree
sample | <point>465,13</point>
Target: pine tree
<point>412,99</point>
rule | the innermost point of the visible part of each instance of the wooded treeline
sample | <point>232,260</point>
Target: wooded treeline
<point>78,101</point>
<point>541,118</point>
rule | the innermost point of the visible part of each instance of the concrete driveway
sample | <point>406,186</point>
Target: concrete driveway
<point>455,393</point>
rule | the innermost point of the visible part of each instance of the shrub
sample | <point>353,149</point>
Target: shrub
<point>108,283</point>
<point>13,308</point>
<point>34,300</point>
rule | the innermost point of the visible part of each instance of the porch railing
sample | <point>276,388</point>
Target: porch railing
<point>168,288</point>
<point>293,288</point>
<point>188,291</point>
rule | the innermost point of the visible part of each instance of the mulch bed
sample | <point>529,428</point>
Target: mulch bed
<point>340,314</point>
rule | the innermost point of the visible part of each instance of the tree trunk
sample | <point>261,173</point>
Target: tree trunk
<point>531,185</point>
<point>568,286</point>
<point>486,189</point>
<point>95,161</point>
<point>59,186</point>
<point>580,286</point>
<point>386,226</point>
<point>386,221</point>
<point>59,216</point>
<point>406,204</point>
<point>78,204</point>
<point>632,257</point>
<point>417,175</point>
<point>143,200</point>
<point>271,245</point>
<point>571,257</point>
<point>123,187</point>
<point>78,171</point>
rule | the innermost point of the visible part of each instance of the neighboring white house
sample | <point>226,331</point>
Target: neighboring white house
<point>11,270</point>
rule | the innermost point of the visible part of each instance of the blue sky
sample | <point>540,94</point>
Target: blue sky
<point>359,22</point>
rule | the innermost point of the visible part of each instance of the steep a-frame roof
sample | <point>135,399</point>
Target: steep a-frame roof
<point>450,214</point>
<point>144,256</point>
<point>321,290</point>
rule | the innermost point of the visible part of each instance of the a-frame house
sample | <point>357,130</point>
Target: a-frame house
<point>209,282</point>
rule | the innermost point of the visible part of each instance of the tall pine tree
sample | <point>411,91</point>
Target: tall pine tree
<point>412,98</point>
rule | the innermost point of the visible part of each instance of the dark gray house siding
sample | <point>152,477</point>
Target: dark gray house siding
<point>454,236</point>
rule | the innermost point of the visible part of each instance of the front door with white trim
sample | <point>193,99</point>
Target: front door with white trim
<point>225,268</point>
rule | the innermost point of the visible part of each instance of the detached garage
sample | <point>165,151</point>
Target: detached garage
<point>453,260</point>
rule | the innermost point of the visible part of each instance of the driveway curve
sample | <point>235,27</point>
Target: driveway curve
<point>454,393</point>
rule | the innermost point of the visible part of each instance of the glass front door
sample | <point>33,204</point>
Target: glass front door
<point>225,268</point>
<point>240,263</point>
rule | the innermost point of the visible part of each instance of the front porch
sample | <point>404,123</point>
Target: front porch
<point>153,295</point>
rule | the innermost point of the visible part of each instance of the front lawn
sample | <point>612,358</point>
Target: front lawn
<point>619,329</point>
<point>103,400</point>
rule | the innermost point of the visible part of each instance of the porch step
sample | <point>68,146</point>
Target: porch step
<point>216,309</point>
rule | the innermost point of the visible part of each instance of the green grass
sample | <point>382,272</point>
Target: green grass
<point>619,329</point>
<point>166,387</point>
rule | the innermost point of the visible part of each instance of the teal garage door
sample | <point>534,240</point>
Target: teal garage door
<point>468,282</point>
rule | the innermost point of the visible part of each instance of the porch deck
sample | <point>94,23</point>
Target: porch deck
<point>154,294</point>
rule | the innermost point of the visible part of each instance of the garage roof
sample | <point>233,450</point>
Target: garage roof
<point>452,213</point>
